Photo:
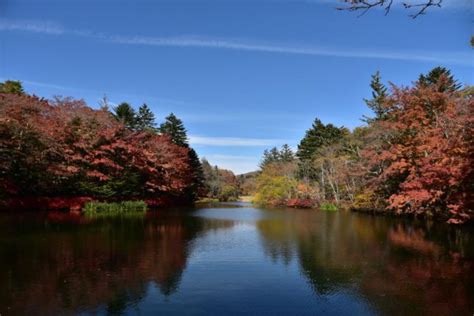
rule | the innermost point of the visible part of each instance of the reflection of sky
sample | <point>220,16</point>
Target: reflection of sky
<point>229,272</point>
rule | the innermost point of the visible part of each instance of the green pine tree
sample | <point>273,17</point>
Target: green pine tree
<point>174,128</point>
<point>269,157</point>
<point>145,119</point>
<point>316,137</point>
<point>286,154</point>
<point>379,95</point>
<point>448,82</point>
<point>197,186</point>
<point>11,86</point>
<point>126,114</point>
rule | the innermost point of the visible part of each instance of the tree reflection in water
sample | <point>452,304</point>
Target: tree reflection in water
<point>396,266</point>
<point>80,265</point>
<point>62,264</point>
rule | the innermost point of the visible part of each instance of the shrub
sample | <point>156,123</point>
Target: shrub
<point>115,209</point>
<point>301,203</point>
<point>328,207</point>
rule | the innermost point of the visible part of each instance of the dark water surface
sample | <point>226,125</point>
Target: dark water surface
<point>231,259</point>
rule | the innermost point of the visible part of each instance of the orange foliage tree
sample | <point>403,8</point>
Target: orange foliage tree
<point>65,148</point>
<point>423,160</point>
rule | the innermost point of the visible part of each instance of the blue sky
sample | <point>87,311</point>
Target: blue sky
<point>243,75</point>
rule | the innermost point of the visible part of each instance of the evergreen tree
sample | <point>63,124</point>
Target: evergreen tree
<point>379,95</point>
<point>145,119</point>
<point>11,86</point>
<point>126,114</point>
<point>434,77</point>
<point>269,157</point>
<point>174,128</point>
<point>266,159</point>
<point>286,154</point>
<point>197,186</point>
<point>316,137</point>
<point>274,154</point>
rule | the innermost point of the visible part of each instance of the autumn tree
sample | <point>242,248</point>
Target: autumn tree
<point>220,184</point>
<point>62,147</point>
<point>423,162</point>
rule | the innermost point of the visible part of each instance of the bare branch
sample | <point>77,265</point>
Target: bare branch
<point>366,5</point>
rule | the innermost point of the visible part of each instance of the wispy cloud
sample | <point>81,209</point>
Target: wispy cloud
<point>46,27</point>
<point>51,28</point>
<point>294,49</point>
<point>233,141</point>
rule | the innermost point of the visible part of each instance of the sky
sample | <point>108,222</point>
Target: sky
<point>243,75</point>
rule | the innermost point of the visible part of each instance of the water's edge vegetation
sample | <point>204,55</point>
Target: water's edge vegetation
<point>413,157</point>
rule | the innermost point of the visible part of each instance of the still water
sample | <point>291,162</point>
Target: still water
<point>234,259</point>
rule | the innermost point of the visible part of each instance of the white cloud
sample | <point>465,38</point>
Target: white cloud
<point>462,58</point>
<point>233,141</point>
<point>230,44</point>
<point>45,27</point>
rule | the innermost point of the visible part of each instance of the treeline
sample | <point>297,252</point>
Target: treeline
<point>413,156</point>
<point>220,184</point>
<point>63,148</point>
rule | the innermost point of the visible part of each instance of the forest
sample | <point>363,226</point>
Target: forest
<point>62,149</point>
<point>413,156</point>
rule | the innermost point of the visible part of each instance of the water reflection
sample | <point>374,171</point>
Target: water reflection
<point>236,258</point>
<point>398,267</point>
<point>57,265</point>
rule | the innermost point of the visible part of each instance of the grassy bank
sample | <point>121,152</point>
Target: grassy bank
<point>115,208</point>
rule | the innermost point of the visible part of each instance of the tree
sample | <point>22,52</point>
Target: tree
<point>379,94</point>
<point>221,184</point>
<point>11,86</point>
<point>365,5</point>
<point>145,119</point>
<point>104,103</point>
<point>286,154</point>
<point>125,114</point>
<point>441,78</point>
<point>65,148</point>
<point>315,138</point>
<point>423,162</point>
<point>174,128</point>
<point>275,156</point>
<point>197,186</point>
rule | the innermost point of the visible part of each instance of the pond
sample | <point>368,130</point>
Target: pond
<point>234,258</point>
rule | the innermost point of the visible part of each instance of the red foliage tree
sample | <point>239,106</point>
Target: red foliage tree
<point>65,148</point>
<point>423,161</point>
